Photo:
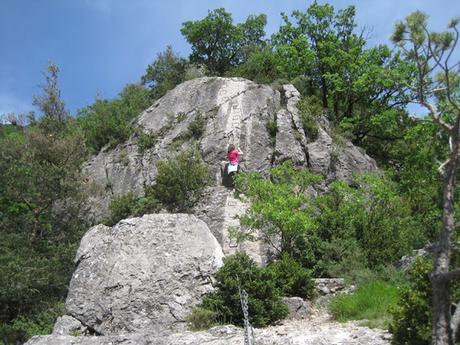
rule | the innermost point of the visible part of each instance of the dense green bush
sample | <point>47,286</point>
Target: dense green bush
<point>310,109</point>
<point>109,122</point>
<point>412,317</point>
<point>181,181</point>
<point>292,279</point>
<point>241,272</point>
<point>131,205</point>
<point>201,319</point>
<point>368,218</point>
<point>165,72</point>
<point>260,67</point>
<point>195,129</point>
<point>38,322</point>
<point>361,226</point>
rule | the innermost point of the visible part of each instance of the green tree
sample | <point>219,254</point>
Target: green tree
<point>437,89</point>
<point>42,205</point>
<point>110,121</point>
<point>166,71</point>
<point>50,103</point>
<point>219,44</point>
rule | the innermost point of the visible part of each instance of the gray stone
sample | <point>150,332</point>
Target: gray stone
<point>142,274</point>
<point>67,325</point>
<point>328,286</point>
<point>407,261</point>
<point>298,308</point>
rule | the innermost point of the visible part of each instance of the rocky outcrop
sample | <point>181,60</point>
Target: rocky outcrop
<point>265,123</point>
<point>143,274</point>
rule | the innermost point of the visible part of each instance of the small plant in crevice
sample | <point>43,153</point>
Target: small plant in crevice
<point>272,129</point>
<point>195,128</point>
<point>309,108</point>
<point>145,140</point>
<point>123,157</point>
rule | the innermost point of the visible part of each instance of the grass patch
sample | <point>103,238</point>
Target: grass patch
<point>371,302</point>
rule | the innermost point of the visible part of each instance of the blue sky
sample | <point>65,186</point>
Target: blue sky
<point>101,45</point>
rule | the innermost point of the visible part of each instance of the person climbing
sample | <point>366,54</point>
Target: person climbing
<point>232,165</point>
<point>233,159</point>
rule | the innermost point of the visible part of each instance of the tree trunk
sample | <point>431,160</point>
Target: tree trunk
<point>442,331</point>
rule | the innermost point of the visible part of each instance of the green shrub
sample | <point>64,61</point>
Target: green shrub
<point>108,122</point>
<point>260,67</point>
<point>372,302</point>
<point>131,205</point>
<point>309,109</point>
<point>180,181</point>
<point>291,278</point>
<point>195,128</point>
<point>24,327</point>
<point>412,317</point>
<point>145,140</point>
<point>121,207</point>
<point>201,319</point>
<point>264,297</point>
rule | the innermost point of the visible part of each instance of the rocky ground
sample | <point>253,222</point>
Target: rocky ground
<point>318,329</point>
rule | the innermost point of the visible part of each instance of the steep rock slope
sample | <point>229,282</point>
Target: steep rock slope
<point>234,110</point>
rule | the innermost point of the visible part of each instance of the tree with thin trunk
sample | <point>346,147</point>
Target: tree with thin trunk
<point>436,88</point>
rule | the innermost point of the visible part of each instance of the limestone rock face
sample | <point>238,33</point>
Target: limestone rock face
<point>234,110</point>
<point>142,274</point>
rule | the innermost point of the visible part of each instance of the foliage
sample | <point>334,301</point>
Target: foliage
<point>280,209</point>
<point>166,71</point>
<point>436,88</point>
<point>368,220</point>
<point>131,205</point>
<point>241,272</point>
<point>180,181</point>
<point>412,317</point>
<point>195,129</point>
<point>371,302</point>
<point>39,322</point>
<point>108,122</point>
<point>360,226</point>
<point>50,103</point>
<point>201,319</point>
<point>261,67</point>
<point>145,140</point>
<point>310,109</point>
<point>42,200</point>
<point>219,44</point>
<point>291,278</point>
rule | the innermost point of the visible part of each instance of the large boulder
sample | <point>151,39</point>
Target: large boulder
<point>142,274</point>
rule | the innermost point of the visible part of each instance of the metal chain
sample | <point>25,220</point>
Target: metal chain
<point>248,332</point>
